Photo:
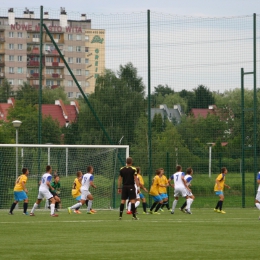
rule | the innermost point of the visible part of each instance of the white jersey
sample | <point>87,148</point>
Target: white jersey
<point>188,179</point>
<point>177,178</point>
<point>45,177</point>
<point>258,178</point>
<point>85,183</point>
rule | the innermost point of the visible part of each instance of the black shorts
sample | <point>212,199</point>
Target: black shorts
<point>128,192</point>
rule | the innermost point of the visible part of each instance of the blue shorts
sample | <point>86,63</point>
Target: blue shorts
<point>157,198</point>
<point>141,195</point>
<point>164,195</point>
<point>78,198</point>
<point>20,195</point>
<point>219,193</point>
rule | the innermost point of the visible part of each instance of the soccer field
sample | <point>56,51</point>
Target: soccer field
<point>202,235</point>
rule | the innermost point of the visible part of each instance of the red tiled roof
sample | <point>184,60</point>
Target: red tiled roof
<point>203,112</point>
<point>4,110</point>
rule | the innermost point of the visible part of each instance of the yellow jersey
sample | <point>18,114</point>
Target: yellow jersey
<point>154,190</point>
<point>163,181</point>
<point>18,184</point>
<point>221,179</point>
<point>75,192</point>
<point>141,181</point>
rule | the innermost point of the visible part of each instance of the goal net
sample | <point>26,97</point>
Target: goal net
<point>66,160</point>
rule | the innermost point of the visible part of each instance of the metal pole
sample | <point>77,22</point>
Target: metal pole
<point>210,151</point>
<point>16,132</point>
<point>243,137</point>
<point>67,158</point>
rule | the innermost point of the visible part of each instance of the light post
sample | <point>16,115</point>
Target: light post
<point>210,152</point>
<point>16,124</point>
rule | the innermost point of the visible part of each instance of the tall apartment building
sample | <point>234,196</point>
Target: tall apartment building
<point>82,47</point>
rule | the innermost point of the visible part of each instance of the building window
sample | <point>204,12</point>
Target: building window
<point>11,57</point>
<point>11,70</point>
<point>11,81</point>
<point>49,59</point>
<point>20,58</point>
<point>20,35</point>
<point>70,83</point>
<point>20,46</point>
<point>20,82</point>
<point>36,35</point>
<point>70,94</point>
<point>70,37</point>
<point>11,46</point>
<point>58,36</point>
<point>70,60</point>
<point>78,37</point>
<point>87,61</point>
<point>78,72</point>
<point>86,49</point>
<point>70,48</point>
<point>87,72</point>
<point>49,82</point>
<point>49,71</point>
<point>78,95</point>
<point>87,83</point>
<point>78,48</point>
<point>86,38</point>
<point>20,70</point>
<point>11,34</point>
<point>78,60</point>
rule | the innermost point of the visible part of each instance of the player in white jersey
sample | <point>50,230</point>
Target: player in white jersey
<point>188,202</point>
<point>86,182</point>
<point>257,198</point>
<point>180,186</point>
<point>137,201</point>
<point>44,192</point>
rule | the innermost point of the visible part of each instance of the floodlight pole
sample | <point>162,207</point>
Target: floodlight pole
<point>210,152</point>
<point>16,124</point>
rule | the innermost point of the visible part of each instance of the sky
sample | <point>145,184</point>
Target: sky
<point>193,42</point>
<point>205,8</point>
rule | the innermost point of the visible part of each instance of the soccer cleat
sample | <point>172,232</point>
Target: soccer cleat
<point>172,212</point>
<point>222,211</point>
<point>182,210</point>
<point>77,211</point>
<point>89,212</point>
<point>156,213</point>
<point>69,210</point>
<point>188,211</point>
<point>161,209</point>
<point>32,215</point>
<point>26,213</point>
<point>11,213</point>
<point>146,213</point>
<point>216,210</point>
<point>94,211</point>
<point>129,212</point>
<point>135,218</point>
<point>120,218</point>
<point>54,215</point>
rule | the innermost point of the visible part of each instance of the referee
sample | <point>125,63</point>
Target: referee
<point>128,177</point>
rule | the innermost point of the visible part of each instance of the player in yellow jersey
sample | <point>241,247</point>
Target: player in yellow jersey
<point>141,182</point>
<point>163,190</point>
<point>219,189</point>
<point>75,192</point>
<point>20,192</point>
<point>154,192</point>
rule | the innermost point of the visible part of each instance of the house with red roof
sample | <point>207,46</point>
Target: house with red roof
<point>4,108</point>
<point>203,112</point>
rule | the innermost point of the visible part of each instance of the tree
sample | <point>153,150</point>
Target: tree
<point>27,93</point>
<point>203,97</point>
<point>6,91</point>
<point>163,90</point>
<point>50,95</point>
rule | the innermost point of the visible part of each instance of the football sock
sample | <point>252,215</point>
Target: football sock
<point>220,204</point>
<point>137,203</point>
<point>217,206</point>
<point>189,202</point>
<point>129,206</point>
<point>121,209</point>
<point>52,208</point>
<point>25,206</point>
<point>153,206</point>
<point>12,207</point>
<point>174,204</point>
<point>162,206</point>
<point>89,205</point>
<point>77,205</point>
<point>56,205</point>
<point>144,206</point>
<point>157,207</point>
<point>133,209</point>
<point>257,205</point>
<point>184,205</point>
<point>34,207</point>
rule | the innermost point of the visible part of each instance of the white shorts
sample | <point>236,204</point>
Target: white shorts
<point>44,194</point>
<point>180,192</point>
<point>189,193</point>
<point>84,194</point>
<point>257,197</point>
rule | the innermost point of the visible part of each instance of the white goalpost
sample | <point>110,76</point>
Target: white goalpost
<point>66,160</point>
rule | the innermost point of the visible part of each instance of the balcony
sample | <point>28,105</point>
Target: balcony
<point>33,63</point>
<point>54,76</point>
<point>2,63</point>
<point>55,64</point>
<point>2,39</point>
<point>34,51</point>
<point>34,75</point>
<point>53,53</point>
<point>2,75</point>
<point>33,41</point>
<point>2,51</point>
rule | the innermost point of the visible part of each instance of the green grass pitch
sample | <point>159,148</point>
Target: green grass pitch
<point>202,235</point>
